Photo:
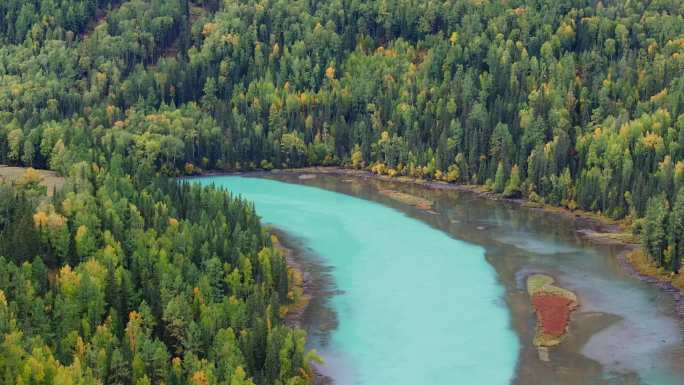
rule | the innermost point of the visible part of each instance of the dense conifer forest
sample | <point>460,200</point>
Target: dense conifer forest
<point>127,277</point>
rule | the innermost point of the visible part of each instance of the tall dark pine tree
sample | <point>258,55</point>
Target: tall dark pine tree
<point>677,232</point>
<point>654,233</point>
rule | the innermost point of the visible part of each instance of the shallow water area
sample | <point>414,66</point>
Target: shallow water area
<point>625,332</point>
<point>415,305</point>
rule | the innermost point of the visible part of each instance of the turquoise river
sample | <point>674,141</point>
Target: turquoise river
<point>403,289</point>
<point>408,295</point>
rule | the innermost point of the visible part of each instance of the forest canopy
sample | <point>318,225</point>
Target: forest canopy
<point>123,278</point>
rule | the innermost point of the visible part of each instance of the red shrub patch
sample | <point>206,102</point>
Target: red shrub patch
<point>553,312</point>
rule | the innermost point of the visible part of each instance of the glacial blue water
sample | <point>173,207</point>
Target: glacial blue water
<point>416,306</point>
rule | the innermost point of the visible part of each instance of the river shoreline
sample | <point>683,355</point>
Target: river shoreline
<point>585,323</point>
<point>593,227</point>
<point>317,287</point>
<point>590,226</point>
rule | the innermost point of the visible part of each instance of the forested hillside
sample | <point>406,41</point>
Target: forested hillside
<point>122,279</point>
<point>119,280</point>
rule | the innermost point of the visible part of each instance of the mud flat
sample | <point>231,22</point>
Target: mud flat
<point>408,199</point>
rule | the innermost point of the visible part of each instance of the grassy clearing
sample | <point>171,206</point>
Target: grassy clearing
<point>537,282</point>
<point>540,284</point>
<point>49,179</point>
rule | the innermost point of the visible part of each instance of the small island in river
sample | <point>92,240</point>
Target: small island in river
<point>553,306</point>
